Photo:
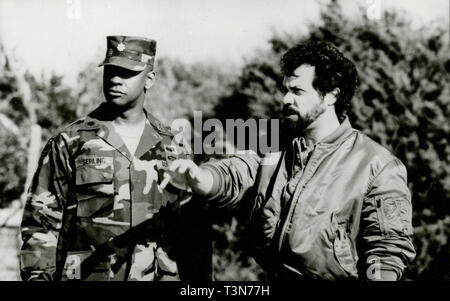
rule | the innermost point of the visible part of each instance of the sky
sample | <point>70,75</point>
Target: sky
<point>63,36</point>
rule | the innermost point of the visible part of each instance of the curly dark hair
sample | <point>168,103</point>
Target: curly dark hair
<point>332,70</point>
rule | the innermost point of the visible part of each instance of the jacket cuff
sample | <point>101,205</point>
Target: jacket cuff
<point>388,262</point>
<point>39,276</point>
<point>217,181</point>
<point>394,265</point>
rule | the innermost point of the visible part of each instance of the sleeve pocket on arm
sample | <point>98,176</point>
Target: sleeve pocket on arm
<point>394,215</point>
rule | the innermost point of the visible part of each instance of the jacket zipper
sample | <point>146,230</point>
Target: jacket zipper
<point>381,220</point>
<point>295,201</point>
<point>296,198</point>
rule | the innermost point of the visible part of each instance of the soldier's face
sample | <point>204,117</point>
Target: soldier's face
<point>125,87</point>
<point>302,104</point>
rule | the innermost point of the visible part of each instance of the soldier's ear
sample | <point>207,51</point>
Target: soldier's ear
<point>150,79</point>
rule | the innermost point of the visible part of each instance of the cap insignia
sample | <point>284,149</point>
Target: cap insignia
<point>121,47</point>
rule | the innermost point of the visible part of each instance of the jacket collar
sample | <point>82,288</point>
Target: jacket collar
<point>338,135</point>
<point>300,151</point>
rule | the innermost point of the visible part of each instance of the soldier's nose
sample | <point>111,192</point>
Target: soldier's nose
<point>115,80</point>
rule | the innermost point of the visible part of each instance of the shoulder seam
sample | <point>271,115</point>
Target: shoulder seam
<point>381,170</point>
<point>66,127</point>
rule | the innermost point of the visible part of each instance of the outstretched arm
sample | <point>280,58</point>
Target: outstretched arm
<point>224,182</point>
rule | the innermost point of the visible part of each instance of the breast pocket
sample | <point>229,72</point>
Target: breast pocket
<point>345,251</point>
<point>95,188</point>
<point>322,248</point>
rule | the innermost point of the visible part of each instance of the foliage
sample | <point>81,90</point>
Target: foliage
<point>12,148</point>
<point>13,158</point>
<point>231,260</point>
<point>181,89</point>
<point>403,102</point>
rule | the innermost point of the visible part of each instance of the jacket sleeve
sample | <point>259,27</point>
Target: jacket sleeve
<point>43,212</point>
<point>232,178</point>
<point>387,223</point>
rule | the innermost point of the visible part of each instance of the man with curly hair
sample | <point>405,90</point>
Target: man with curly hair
<point>333,204</point>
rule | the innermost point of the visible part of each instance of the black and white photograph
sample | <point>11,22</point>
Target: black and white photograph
<point>244,141</point>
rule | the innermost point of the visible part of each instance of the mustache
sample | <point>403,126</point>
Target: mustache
<point>288,109</point>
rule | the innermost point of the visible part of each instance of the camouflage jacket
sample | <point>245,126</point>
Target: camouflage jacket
<point>345,214</point>
<point>88,189</point>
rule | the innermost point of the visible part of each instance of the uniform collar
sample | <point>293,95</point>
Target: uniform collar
<point>152,134</point>
<point>91,122</point>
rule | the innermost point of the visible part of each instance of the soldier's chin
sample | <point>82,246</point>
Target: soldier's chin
<point>117,101</point>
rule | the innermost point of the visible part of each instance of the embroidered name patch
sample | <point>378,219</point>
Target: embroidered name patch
<point>93,160</point>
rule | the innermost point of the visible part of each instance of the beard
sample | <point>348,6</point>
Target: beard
<point>296,123</point>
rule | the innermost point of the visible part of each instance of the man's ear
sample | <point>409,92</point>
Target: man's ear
<point>150,79</point>
<point>331,97</point>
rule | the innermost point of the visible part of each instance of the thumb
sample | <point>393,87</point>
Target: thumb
<point>194,173</point>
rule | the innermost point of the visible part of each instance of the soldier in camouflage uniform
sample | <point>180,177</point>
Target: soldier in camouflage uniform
<point>93,183</point>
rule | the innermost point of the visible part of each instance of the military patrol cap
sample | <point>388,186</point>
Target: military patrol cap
<point>133,53</point>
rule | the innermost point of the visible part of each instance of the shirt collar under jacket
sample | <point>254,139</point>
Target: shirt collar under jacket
<point>301,150</point>
<point>344,129</point>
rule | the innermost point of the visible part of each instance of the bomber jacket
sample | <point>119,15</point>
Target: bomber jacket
<point>88,188</point>
<point>348,215</point>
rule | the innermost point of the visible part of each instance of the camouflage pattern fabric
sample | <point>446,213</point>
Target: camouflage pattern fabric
<point>87,189</point>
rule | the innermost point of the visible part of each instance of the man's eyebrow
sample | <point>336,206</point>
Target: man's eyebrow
<point>293,87</point>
